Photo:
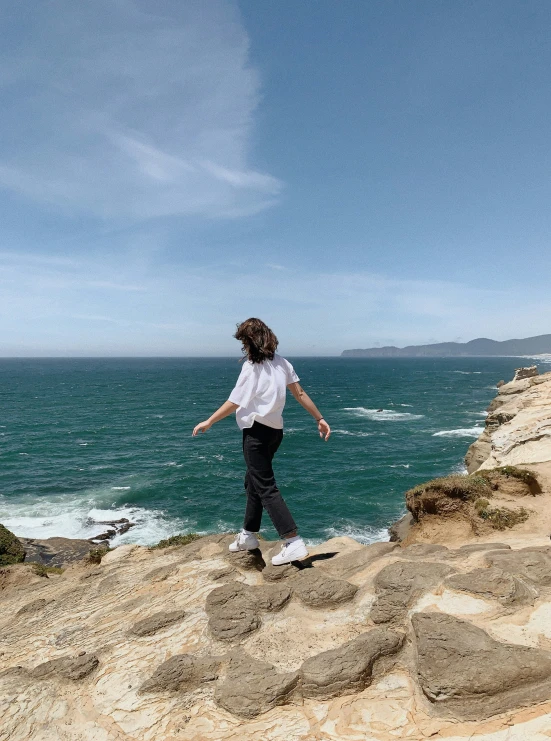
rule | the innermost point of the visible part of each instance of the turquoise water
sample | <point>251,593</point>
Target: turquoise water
<point>86,440</point>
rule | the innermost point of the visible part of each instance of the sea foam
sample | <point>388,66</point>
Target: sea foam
<point>384,415</point>
<point>461,432</point>
<point>68,517</point>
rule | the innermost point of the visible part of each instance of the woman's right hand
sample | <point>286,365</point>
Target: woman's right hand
<point>324,429</point>
<point>202,427</point>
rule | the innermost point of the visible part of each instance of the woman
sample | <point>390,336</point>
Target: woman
<point>258,400</point>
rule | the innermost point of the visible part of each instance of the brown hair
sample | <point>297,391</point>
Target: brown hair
<point>259,341</point>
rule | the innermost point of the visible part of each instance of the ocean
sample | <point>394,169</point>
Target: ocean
<point>84,441</point>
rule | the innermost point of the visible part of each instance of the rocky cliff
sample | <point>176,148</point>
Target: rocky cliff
<point>432,640</point>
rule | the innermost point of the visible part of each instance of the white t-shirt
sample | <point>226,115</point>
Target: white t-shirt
<point>260,392</point>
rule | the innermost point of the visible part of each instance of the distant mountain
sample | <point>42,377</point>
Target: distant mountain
<point>475,348</point>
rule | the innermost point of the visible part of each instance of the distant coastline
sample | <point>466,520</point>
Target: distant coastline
<point>481,347</point>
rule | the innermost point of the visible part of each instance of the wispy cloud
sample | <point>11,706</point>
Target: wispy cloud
<point>131,109</point>
<point>79,309</point>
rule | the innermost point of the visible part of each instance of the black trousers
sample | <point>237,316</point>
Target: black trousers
<point>260,444</point>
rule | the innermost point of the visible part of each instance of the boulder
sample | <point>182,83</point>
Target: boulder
<point>73,668</point>
<point>156,622</point>
<point>184,672</point>
<point>465,672</point>
<point>492,583</point>
<point>11,548</point>
<point>347,668</point>
<point>318,590</point>
<point>399,584</point>
<point>252,687</point>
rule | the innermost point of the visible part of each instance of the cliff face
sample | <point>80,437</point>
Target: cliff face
<point>518,426</point>
<point>447,640</point>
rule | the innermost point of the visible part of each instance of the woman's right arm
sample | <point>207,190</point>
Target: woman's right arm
<point>305,401</point>
<point>225,410</point>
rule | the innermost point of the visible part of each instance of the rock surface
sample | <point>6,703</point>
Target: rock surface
<point>518,426</point>
<point>153,648</point>
<point>400,583</point>
<point>463,669</point>
<point>253,686</point>
<point>348,668</point>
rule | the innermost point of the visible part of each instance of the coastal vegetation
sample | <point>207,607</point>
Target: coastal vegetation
<point>183,539</point>
<point>11,548</point>
<point>470,496</point>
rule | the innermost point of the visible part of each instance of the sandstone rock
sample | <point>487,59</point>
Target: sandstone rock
<point>318,590</point>
<point>232,614</point>
<point>478,452</point>
<point>247,560</point>
<point>348,668</point>
<point>351,563</point>
<point>399,530</point>
<point>531,565</point>
<point>527,372</point>
<point>399,584</point>
<point>11,548</point>
<point>156,622</point>
<point>56,551</point>
<point>160,573</point>
<point>118,553</point>
<point>234,609</point>
<point>222,574</point>
<point>462,669</point>
<point>424,550</point>
<point>67,667</point>
<point>252,687</point>
<point>492,583</point>
<point>278,573</point>
<point>183,672</point>
<point>474,547</point>
<point>269,597</point>
<point>36,606</point>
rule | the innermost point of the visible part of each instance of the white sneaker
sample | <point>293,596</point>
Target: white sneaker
<point>244,542</point>
<point>291,551</point>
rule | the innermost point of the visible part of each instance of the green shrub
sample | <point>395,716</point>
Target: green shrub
<point>456,486</point>
<point>512,472</point>
<point>501,518</point>
<point>11,548</point>
<point>96,554</point>
<point>177,540</point>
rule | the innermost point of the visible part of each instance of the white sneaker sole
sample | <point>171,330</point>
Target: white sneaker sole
<point>240,550</point>
<point>290,559</point>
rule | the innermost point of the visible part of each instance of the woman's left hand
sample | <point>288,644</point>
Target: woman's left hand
<point>202,427</point>
<point>324,429</point>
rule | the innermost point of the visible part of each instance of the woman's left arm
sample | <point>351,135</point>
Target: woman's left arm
<point>227,408</point>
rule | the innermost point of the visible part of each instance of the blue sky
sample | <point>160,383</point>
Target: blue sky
<point>355,173</point>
